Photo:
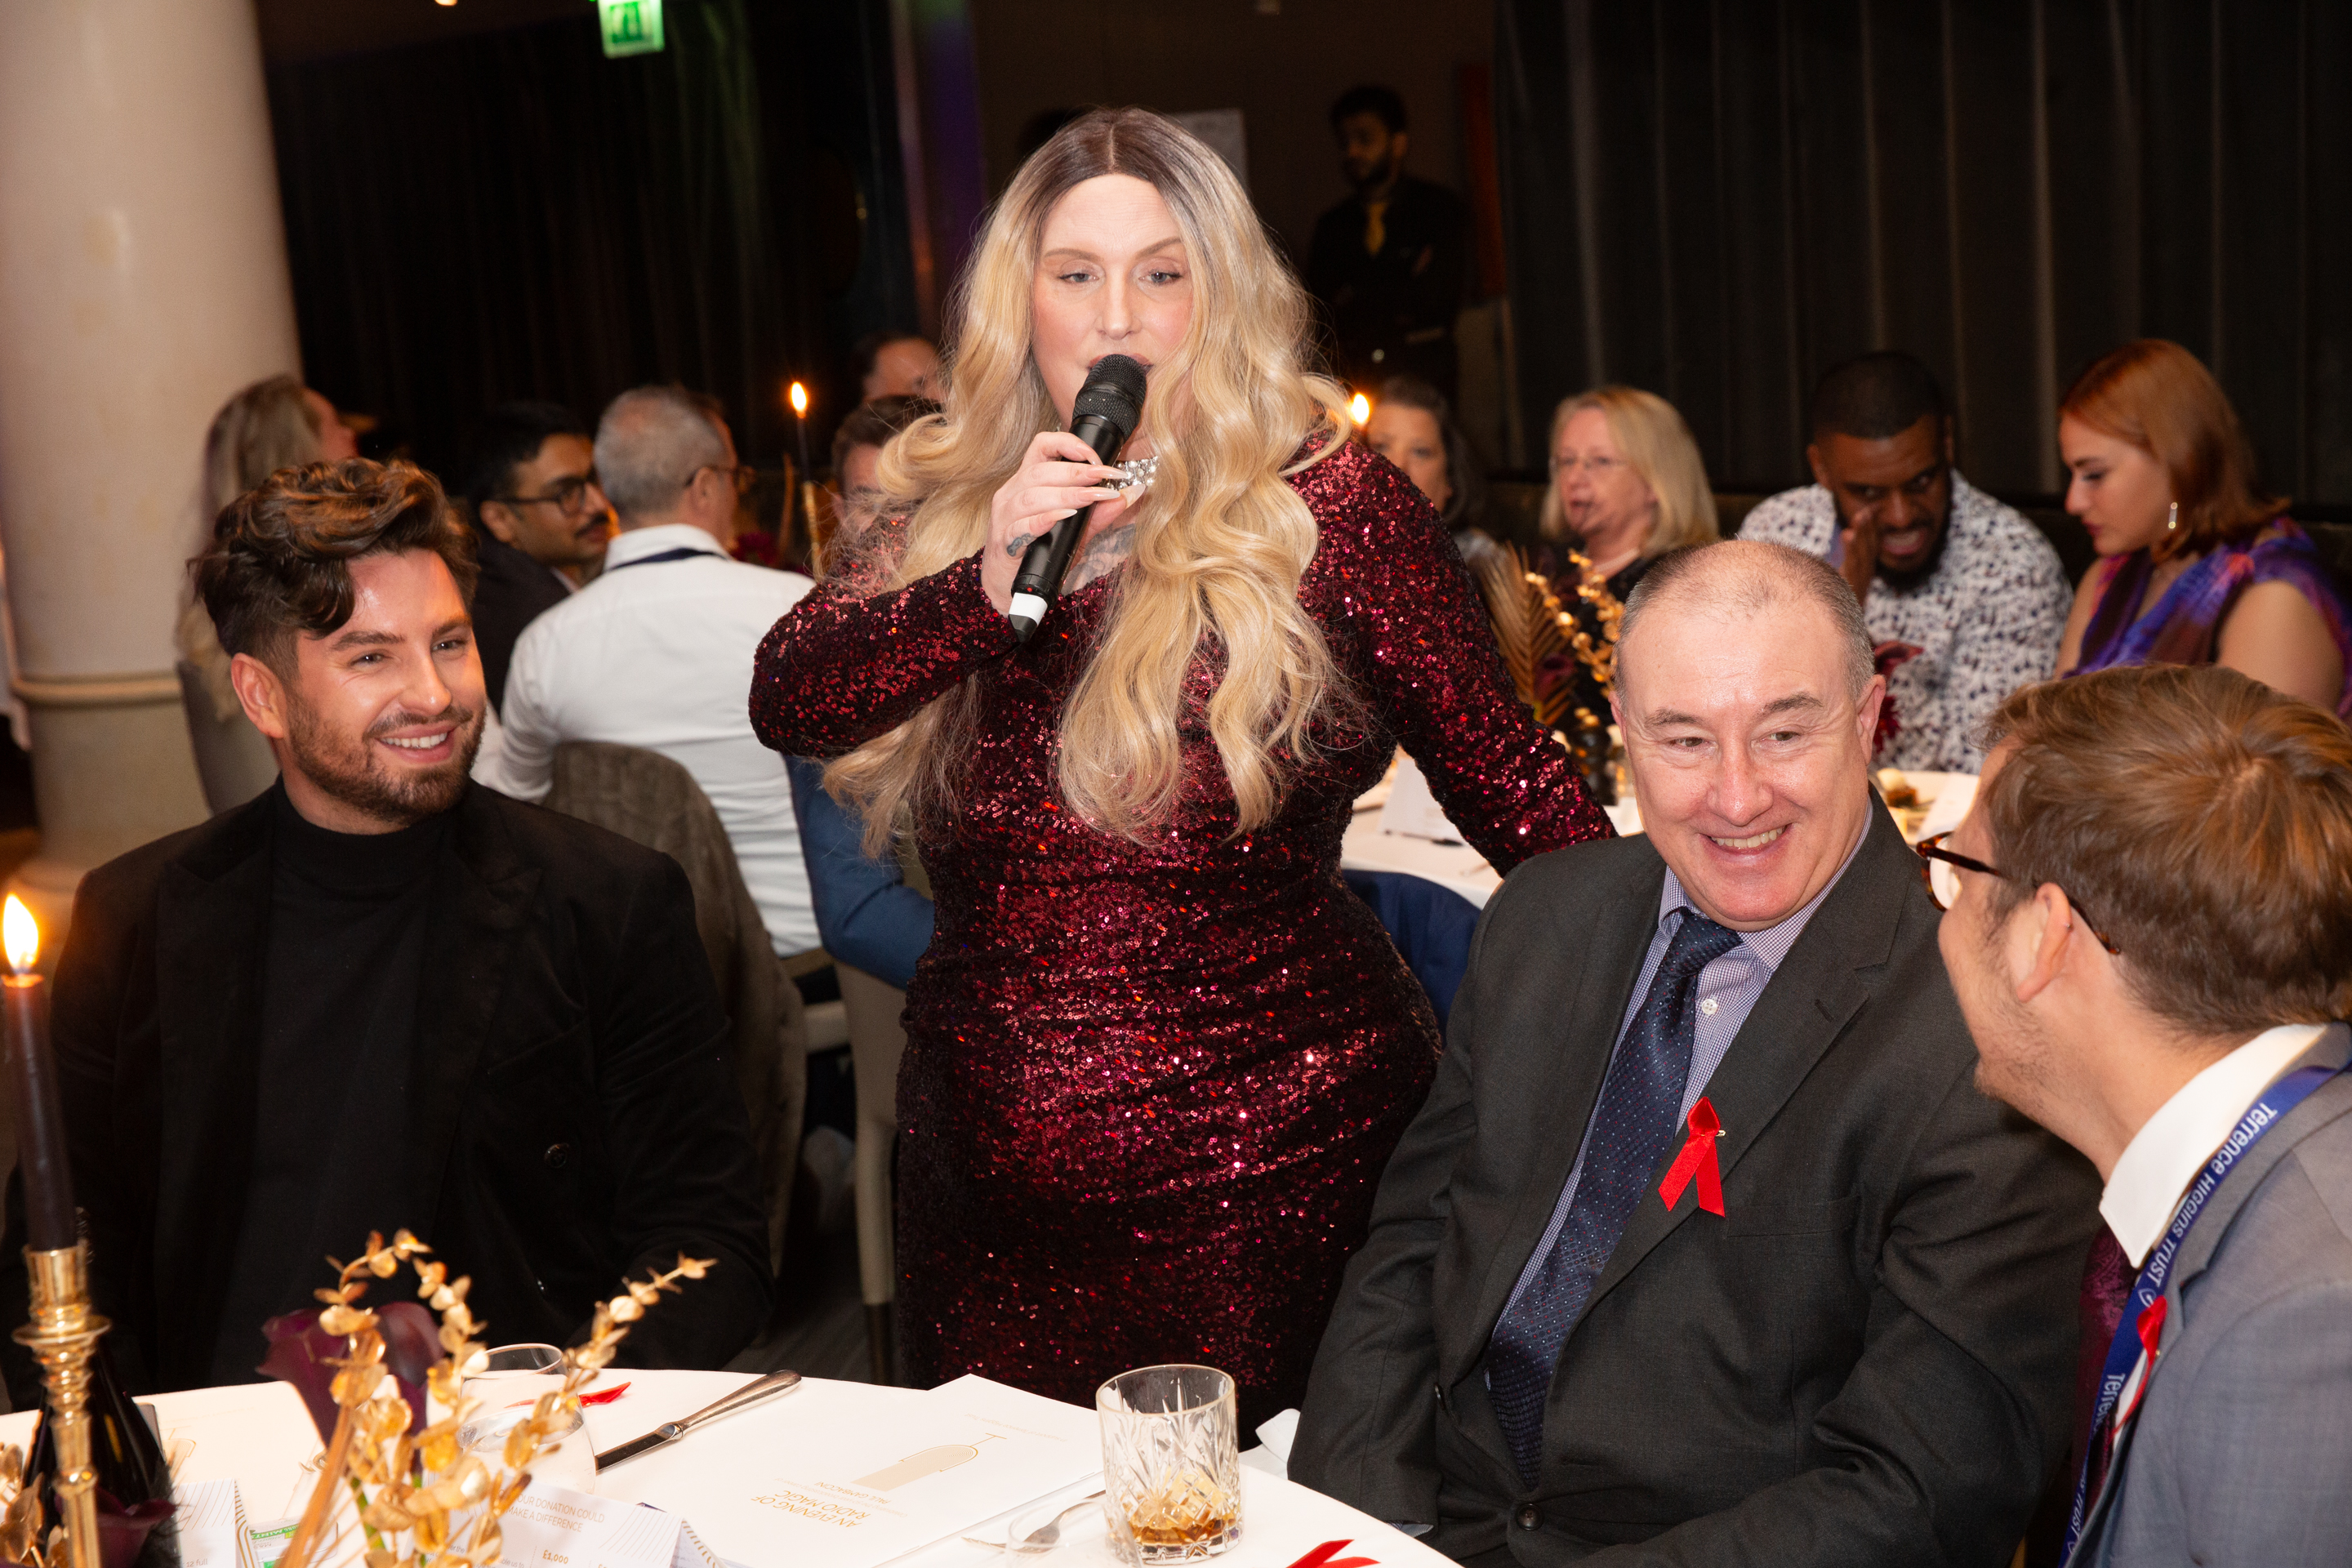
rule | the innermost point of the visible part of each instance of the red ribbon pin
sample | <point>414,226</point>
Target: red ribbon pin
<point>2151,1329</point>
<point>1697,1159</point>
<point>1328,1556</point>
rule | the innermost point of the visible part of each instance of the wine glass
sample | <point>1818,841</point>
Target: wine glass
<point>508,1386</point>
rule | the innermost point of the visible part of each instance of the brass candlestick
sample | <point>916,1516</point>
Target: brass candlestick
<point>62,1336</point>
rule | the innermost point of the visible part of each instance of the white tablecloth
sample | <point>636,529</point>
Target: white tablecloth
<point>1366,847</point>
<point>260,1434</point>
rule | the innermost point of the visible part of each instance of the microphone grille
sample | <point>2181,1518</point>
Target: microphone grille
<point>1114,390</point>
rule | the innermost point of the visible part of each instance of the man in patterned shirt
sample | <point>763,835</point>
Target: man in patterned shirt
<point>1964,598</point>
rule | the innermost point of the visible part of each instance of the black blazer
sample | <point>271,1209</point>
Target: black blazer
<point>572,1120</point>
<point>513,591</point>
<point>1866,1360</point>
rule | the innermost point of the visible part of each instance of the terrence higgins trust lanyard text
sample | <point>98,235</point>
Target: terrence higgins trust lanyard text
<point>2142,1324</point>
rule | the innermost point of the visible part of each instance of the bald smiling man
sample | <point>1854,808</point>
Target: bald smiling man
<point>1585,1328</point>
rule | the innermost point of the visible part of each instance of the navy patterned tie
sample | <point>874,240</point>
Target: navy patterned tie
<point>1641,1101</point>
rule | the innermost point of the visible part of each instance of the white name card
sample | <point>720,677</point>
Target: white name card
<point>552,1526</point>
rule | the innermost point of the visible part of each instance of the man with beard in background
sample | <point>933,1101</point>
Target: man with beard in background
<point>1964,597</point>
<point>381,996</point>
<point>1389,262</point>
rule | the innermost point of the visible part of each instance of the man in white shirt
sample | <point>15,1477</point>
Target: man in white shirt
<point>1965,599</point>
<point>657,652</point>
<point>2149,929</point>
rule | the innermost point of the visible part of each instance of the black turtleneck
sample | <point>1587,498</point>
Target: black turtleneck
<point>342,987</point>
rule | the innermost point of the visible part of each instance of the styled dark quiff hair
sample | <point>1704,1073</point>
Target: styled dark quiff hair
<point>280,561</point>
<point>2205,823</point>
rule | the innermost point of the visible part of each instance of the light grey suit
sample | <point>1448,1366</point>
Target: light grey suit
<point>2241,1451</point>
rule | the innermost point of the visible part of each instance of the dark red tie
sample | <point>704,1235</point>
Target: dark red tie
<point>2107,1284</point>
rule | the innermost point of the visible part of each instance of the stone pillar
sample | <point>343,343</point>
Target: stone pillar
<point>142,281</point>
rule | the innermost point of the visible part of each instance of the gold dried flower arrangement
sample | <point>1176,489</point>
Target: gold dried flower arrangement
<point>1600,657</point>
<point>1533,629</point>
<point>423,1501</point>
<point>20,1516</point>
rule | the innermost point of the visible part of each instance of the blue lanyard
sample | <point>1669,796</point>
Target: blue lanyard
<point>2147,1290</point>
<point>683,553</point>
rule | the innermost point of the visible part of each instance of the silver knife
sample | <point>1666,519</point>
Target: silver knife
<point>775,1383</point>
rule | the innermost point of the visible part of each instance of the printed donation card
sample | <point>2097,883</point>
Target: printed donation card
<point>783,1488</point>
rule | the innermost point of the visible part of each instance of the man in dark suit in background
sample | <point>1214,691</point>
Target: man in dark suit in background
<point>531,478</point>
<point>379,996</point>
<point>1389,262</point>
<point>1563,1339</point>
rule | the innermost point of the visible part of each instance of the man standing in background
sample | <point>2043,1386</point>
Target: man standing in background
<point>895,365</point>
<point>1389,262</point>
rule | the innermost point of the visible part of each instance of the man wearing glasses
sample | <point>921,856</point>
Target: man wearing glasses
<point>2149,927</point>
<point>1705,1247</point>
<point>1964,597</point>
<point>530,476</point>
<point>657,652</point>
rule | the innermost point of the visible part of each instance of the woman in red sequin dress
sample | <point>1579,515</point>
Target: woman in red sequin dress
<point>1158,1053</point>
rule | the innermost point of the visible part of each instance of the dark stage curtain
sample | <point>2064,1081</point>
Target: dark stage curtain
<point>513,214</point>
<point>1718,199</point>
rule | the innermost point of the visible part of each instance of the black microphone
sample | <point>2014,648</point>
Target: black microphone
<point>1109,408</point>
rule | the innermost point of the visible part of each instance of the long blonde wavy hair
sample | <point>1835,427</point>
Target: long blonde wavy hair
<point>1221,540</point>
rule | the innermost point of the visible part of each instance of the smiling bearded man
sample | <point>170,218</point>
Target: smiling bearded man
<point>1705,1246</point>
<point>381,996</point>
<point>1964,598</point>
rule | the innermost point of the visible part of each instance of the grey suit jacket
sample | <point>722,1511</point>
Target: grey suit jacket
<point>1866,1360</point>
<point>2241,1451</point>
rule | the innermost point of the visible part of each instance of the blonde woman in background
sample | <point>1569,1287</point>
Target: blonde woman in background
<point>1627,486</point>
<point>272,425</point>
<point>1157,1053</point>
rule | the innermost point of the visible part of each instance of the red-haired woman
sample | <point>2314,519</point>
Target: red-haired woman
<point>2199,567</point>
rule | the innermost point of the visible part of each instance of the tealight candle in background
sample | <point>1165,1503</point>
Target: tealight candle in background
<point>40,1114</point>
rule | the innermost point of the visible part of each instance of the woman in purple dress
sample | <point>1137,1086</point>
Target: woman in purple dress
<point>1157,1053</point>
<point>2197,566</point>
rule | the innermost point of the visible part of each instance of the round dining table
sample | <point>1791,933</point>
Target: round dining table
<point>260,1436</point>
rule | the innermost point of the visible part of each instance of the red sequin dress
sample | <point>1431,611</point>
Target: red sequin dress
<point>1149,1089</point>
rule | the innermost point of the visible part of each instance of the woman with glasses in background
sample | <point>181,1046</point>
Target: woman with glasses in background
<point>1627,485</point>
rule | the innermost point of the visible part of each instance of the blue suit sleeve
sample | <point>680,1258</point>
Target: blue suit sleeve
<point>867,915</point>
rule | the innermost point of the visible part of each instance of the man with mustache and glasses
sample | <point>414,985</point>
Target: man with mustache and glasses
<point>382,996</point>
<point>1706,1248</point>
<point>532,481</point>
<point>1964,597</point>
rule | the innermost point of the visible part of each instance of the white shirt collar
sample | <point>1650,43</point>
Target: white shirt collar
<point>2165,1155</point>
<point>636,543</point>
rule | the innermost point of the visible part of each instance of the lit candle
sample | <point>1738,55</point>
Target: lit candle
<point>800,418</point>
<point>799,396</point>
<point>1359,409</point>
<point>40,1115</point>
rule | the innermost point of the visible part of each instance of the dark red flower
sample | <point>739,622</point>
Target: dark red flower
<point>304,1354</point>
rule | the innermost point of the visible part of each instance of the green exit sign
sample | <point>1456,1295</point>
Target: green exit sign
<point>630,27</point>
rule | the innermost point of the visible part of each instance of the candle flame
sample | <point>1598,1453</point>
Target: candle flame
<point>800,398</point>
<point>1360,408</point>
<point>20,934</point>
